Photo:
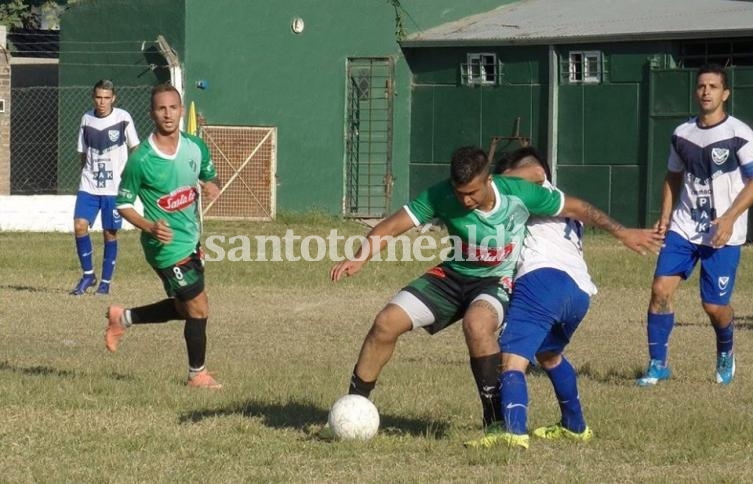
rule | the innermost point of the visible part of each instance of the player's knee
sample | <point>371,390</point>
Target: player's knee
<point>718,314</point>
<point>548,360</point>
<point>80,227</point>
<point>386,327</point>
<point>661,297</point>
<point>480,327</point>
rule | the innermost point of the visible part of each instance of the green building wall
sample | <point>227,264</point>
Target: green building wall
<point>446,114</point>
<point>116,40</point>
<point>259,73</point>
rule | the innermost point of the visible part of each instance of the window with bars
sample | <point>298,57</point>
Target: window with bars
<point>583,66</point>
<point>724,52</point>
<point>480,69</point>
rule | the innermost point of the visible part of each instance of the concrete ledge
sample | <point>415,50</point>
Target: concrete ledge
<point>43,213</point>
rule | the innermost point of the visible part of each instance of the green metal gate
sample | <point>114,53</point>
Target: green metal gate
<point>368,144</point>
<point>671,102</point>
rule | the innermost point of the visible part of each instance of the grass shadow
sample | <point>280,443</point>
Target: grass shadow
<point>36,370</point>
<point>623,375</point>
<point>310,418</point>
<point>17,288</point>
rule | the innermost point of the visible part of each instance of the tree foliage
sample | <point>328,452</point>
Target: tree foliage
<point>29,14</point>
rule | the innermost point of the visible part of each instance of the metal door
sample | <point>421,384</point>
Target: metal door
<point>368,143</point>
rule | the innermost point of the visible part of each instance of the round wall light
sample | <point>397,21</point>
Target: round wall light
<point>297,25</point>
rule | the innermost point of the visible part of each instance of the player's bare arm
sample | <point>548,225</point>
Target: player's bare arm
<point>159,229</point>
<point>394,225</point>
<point>638,240</point>
<point>725,222</point>
<point>670,194</point>
<point>209,190</point>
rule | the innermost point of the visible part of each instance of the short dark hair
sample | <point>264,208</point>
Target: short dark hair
<point>467,163</point>
<point>713,69</point>
<point>522,157</point>
<point>164,87</point>
<point>105,84</point>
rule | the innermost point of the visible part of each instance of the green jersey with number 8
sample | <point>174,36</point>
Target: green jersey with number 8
<point>168,188</point>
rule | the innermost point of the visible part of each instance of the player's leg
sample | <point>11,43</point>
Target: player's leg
<point>481,322</point>
<point>429,302</point>
<point>564,379</point>
<point>675,263</point>
<point>378,346</point>
<point>195,334</point>
<point>527,323</point>
<point>718,274</point>
<point>111,223</point>
<point>84,214</point>
<point>574,304</point>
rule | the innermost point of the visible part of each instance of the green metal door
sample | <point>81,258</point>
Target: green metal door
<point>671,102</point>
<point>670,98</point>
<point>368,144</point>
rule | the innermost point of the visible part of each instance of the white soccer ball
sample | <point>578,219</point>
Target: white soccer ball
<point>353,417</point>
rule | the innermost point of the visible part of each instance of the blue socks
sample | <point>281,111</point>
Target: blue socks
<point>659,328</point>
<point>564,380</point>
<point>724,338</point>
<point>108,261</point>
<point>84,250</point>
<point>514,395</point>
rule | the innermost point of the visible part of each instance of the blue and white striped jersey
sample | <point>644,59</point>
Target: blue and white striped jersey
<point>716,161</point>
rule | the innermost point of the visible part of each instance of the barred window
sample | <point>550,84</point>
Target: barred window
<point>480,69</point>
<point>584,66</point>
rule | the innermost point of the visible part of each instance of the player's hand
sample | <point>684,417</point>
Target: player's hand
<point>161,231</point>
<point>722,231</point>
<point>661,226</point>
<point>641,240</point>
<point>345,268</point>
<point>209,190</point>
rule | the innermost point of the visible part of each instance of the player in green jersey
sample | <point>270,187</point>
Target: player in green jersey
<point>164,173</point>
<point>487,215</point>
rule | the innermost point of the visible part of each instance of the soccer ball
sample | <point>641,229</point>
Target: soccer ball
<point>353,417</point>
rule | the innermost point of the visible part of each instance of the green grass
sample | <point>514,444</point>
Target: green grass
<point>283,340</point>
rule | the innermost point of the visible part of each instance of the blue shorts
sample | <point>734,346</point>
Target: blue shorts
<point>88,205</point>
<point>678,257</point>
<point>545,310</point>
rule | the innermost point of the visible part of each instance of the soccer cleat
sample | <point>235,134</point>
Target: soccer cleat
<point>496,436</point>
<point>558,432</point>
<point>115,329</point>
<point>103,289</point>
<point>656,372</point>
<point>725,368</point>
<point>203,380</point>
<point>87,281</point>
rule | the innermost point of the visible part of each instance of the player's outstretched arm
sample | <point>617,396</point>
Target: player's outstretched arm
<point>638,240</point>
<point>377,238</point>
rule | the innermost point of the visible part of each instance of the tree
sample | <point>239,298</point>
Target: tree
<point>32,14</point>
<point>15,14</point>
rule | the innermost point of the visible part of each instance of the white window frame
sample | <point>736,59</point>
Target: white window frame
<point>478,67</point>
<point>584,58</point>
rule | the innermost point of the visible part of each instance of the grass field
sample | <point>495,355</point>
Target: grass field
<point>283,340</point>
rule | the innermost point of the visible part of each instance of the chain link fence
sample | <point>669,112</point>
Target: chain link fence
<point>44,133</point>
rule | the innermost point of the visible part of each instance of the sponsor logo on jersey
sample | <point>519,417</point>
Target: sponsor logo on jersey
<point>178,199</point>
<point>113,134</point>
<point>487,256</point>
<point>719,155</point>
